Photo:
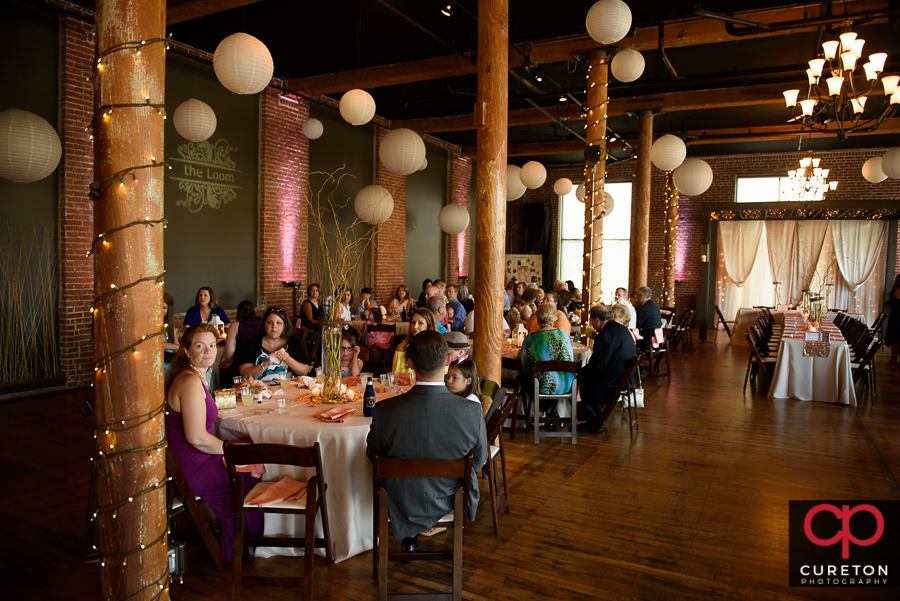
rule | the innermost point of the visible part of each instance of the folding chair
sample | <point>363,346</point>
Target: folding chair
<point>570,367</point>
<point>766,364</point>
<point>494,427</point>
<point>867,367</point>
<point>655,352</point>
<point>624,388</point>
<point>720,319</point>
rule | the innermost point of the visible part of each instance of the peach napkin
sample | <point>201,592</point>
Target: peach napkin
<point>401,379</point>
<point>337,414</point>
<point>257,469</point>
<point>286,489</point>
<point>350,381</point>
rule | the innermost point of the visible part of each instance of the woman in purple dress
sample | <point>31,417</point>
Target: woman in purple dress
<point>190,413</point>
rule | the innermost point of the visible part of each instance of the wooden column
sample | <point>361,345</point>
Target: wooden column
<point>642,215</point>
<point>128,321</point>
<point>490,228</point>
<point>594,179</point>
<point>668,298</point>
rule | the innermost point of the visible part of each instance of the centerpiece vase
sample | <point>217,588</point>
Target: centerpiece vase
<point>331,357</point>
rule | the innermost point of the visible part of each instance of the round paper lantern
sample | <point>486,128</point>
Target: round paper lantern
<point>374,204</point>
<point>610,203</point>
<point>533,175</point>
<point>668,152</point>
<point>872,170</point>
<point>627,65</point>
<point>402,151</point>
<point>579,192</point>
<point>357,107</point>
<point>562,186</point>
<point>693,177</point>
<point>243,64</point>
<point>453,219</point>
<point>194,120</point>
<point>890,163</point>
<point>514,186</point>
<point>313,129</point>
<point>424,165</point>
<point>608,21</point>
<point>29,147</point>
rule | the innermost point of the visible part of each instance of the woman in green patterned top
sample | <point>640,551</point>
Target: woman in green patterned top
<point>548,344</point>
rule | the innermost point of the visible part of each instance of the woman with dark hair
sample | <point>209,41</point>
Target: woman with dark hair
<point>245,327</point>
<point>401,302</point>
<point>190,414</point>
<point>274,351</point>
<point>205,306</point>
<point>422,319</point>
<point>310,309</point>
<point>892,337</point>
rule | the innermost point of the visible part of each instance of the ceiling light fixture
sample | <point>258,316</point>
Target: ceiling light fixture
<point>447,11</point>
<point>809,182</point>
<point>563,98</point>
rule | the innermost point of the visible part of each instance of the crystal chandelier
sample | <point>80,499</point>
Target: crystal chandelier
<point>840,100</point>
<point>809,182</point>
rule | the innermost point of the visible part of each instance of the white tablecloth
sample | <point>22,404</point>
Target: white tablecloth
<point>746,318</point>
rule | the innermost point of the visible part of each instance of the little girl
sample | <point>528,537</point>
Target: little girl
<point>351,364</point>
<point>462,379</point>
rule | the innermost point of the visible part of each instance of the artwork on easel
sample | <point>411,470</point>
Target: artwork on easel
<point>524,268</point>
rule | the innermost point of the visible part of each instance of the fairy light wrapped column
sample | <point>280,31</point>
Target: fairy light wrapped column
<point>594,180</point>
<point>668,298</point>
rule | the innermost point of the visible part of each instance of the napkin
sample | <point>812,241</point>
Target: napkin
<point>350,381</point>
<point>286,489</point>
<point>306,381</point>
<point>257,469</point>
<point>401,379</point>
<point>337,414</point>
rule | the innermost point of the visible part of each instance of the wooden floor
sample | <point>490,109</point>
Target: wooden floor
<point>694,507</point>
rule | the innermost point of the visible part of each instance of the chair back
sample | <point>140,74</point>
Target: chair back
<point>494,421</point>
<point>763,366</point>
<point>569,367</point>
<point>722,320</point>
<point>489,387</point>
<point>624,385</point>
<point>275,454</point>
<point>394,467</point>
<point>496,400</point>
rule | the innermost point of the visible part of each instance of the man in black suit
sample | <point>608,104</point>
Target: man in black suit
<point>647,315</point>
<point>613,349</point>
<point>428,422</point>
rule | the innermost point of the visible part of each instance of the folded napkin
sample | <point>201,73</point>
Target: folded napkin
<point>337,414</point>
<point>350,381</point>
<point>286,489</point>
<point>257,469</point>
<point>306,381</point>
<point>401,379</point>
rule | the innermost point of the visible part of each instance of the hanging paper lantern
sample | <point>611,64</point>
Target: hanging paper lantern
<point>668,152</point>
<point>872,170</point>
<point>357,107</point>
<point>423,165</point>
<point>29,147</point>
<point>533,175</point>
<point>609,203</point>
<point>562,186</point>
<point>453,219</point>
<point>608,21</point>
<point>693,177</point>
<point>243,64</point>
<point>313,129</point>
<point>374,204</point>
<point>194,120</point>
<point>627,65</point>
<point>890,163</point>
<point>402,151</point>
<point>514,186</point>
<point>579,192</point>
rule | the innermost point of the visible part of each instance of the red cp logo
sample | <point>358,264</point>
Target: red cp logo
<point>844,514</point>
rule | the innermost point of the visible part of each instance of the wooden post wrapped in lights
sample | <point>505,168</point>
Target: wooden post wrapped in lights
<point>642,216</point>
<point>128,322</point>
<point>668,299</point>
<point>594,179</point>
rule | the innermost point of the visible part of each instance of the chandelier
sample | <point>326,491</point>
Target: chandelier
<point>840,100</point>
<point>809,182</point>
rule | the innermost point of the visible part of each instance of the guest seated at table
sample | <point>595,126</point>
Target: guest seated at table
<point>205,307</point>
<point>310,309</point>
<point>438,308</point>
<point>190,414</point>
<point>648,317</point>
<point>422,319</point>
<point>459,312</point>
<point>514,316</point>
<point>566,302</point>
<point>426,284</point>
<point>539,296</point>
<point>613,349</point>
<point>351,364</point>
<point>401,303</point>
<point>469,325</point>
<point>408,426</point>
<point>549,343</point>
<point>528,309</point>
<point>365,301</point>
<point>345,296</point>
<point>274,351</point>
<point>246,326</point>
<point>463,380</point>
<point>562,320</point>
<point>622,299</point>
<point>621,314</point>
<point>457,345</point>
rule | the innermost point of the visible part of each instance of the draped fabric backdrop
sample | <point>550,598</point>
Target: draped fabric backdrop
<point>857,246</point>
<point>740,243</point>
<point>781,242</point>
<point>756,289</point>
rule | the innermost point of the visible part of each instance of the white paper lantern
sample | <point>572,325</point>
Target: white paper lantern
<point>243,64</point>
<point>29,147</point>
<point>514,186</point>
<point>608,21</point>
<point>453,219</point>
<point>627,65</point>
<point>374,204</point>
<point>890,163</point>
<point>313,129</point>
<point>562,186</point>
<point>424,164</point>
<point>579,192</point>
<point>194,120</point>
<point>402,151</point>
<point>872,170</point>
<point>668,152</point>
<point>357,107</point>
<point>533,175</point>
<point>693,177</point>
<point>610,204</point>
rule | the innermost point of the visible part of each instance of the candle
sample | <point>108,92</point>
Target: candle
<point>316,391</point>
<point>350,395</point>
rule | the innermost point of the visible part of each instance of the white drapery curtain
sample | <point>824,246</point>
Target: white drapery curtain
<point>757,286</point>
<point>811,236</point>
<point>781,243</point>
<point>740,241</point>
<point>857,246</point>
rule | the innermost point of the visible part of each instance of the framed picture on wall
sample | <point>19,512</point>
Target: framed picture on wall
<point>524,268</point>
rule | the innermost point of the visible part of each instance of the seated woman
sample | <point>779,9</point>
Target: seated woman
<point>529,307</point>
<point>205,306</point>
<point>565,301</point>
<point>621,314</point>
<point>351,364</point>
<point>547,344</point>
<point>400,303</point>
<point>365,301</point>
<point>310,309</point>
<point>246,326</point>
<point>343,310</point>
<point>274,351</point>
<point>190,414</point>
<point>422,319</point>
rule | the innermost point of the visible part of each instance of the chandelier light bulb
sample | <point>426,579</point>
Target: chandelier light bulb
<point>792,173</point>
<point>858,46</point>
<point>871,73</point>
<point>790,97</point>
<point>817,172</point>
<point>878,59</point>
<point>895,98</point>
<point>890,84</point>
<point>859,104</point>
<point>847,40</point>
<point>825,173</point>
<point>815,162</point>
<point>805,162</point>
<point>833,185</point>
<point>829,49</point>
<point>812,78</point>
<point>816,65</point>
<point>834,85</point>
<point>848,59</point>
<point>807,106</point>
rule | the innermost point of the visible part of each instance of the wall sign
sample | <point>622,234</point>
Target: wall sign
<point>205,172</point>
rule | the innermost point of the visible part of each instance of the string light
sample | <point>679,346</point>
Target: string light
<point>102,236</point>
<point>671,235</point>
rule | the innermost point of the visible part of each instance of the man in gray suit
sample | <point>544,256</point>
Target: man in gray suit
<point>428,422</point>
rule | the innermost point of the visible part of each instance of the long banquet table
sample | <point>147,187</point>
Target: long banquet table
<point>828,379</point>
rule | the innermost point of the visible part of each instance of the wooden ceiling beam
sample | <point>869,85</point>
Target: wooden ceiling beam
<point>545,148</point>
<point>194,9</point>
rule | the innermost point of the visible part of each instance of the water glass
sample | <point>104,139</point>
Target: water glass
<point>320,375</point>
<point>412,379</point>
<point>390,380</point>
<point>256,391</point>
<point>238,381</point>
<point>284,405</point>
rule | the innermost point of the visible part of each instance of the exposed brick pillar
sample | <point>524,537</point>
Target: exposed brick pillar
<point>76,212</point>
<point>283,184</point>
<point>460,186</point>
<point>389,242</point>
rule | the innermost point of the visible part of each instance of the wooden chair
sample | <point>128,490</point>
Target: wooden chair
<point>381,361</point>
<point>655,352</point>
<point>569,367</point>
<point>393,467</point>
<point>494,428</point>
<point>720,320</point>
<point>624,389</point>
<point>866,367</point>
<point>766,364</point>
<point>311,503</point>
<point>191,504</point>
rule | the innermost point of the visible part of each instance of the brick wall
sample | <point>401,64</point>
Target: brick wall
<point>459,187</point>
<point>389,243</point>
<point>76,212</point>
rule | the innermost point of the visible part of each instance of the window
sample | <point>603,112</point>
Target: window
<point>765,189</point>
<point>616,239</point>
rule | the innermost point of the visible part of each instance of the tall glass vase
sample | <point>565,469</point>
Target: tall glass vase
<point>331,356</point>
